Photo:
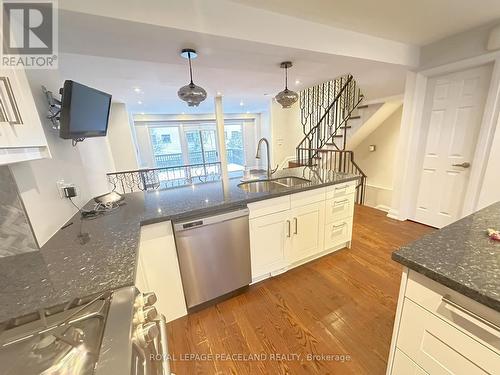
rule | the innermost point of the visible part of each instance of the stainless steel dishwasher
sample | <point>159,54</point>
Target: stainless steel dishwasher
<point>214,255</point>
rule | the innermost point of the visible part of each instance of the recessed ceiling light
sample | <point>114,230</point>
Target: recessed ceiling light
<point>139,102</point>
<point>219,93</point>
<point>137,89</point>
<point>242,104</point>
<point>183,113</point>
<point>142,113</point>
<point>297,82</point>
<point>248,111</point>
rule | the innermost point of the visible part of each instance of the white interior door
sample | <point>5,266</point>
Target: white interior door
<point>452,117</point>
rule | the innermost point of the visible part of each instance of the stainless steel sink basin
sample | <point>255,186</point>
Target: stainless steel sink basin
<point>265,186</point>
<point>291,181</point>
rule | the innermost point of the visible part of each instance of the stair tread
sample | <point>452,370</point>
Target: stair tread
<point>354,117</point>
<point>362,106</point>
<point>346,127</point>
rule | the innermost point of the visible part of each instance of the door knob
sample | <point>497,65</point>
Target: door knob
<point>463,165</point>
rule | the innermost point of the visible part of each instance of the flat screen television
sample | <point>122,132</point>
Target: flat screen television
<point>84,111</point>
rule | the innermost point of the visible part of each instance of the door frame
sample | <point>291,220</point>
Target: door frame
<point>410,143</point>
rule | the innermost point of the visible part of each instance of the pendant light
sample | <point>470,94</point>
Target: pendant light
<point>192,94</point>
<point>286,97</point>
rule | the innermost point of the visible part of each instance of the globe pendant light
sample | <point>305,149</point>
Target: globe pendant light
<point>192,94</point>
<point>286,97</point>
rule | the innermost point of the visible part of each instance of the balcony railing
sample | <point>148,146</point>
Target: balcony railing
<point>164,177</point>
<point>234,156</point>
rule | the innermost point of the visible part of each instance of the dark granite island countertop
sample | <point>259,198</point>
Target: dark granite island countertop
<point>92,256</point>
<point>461,256</point>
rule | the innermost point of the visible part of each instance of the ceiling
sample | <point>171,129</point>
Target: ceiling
<point>415,22</point>
<point>120,56</point>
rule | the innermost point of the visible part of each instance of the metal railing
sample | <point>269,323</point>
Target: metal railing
<point>164,177</point>
<point>342,161</point>
<point>234,156</point>
<point>322,122</point>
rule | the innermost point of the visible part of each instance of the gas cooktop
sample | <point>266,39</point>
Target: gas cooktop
<point>62,340</point>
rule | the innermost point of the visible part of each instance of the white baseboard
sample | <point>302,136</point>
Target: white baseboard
<point>394,214</point>
<point>383,207</point>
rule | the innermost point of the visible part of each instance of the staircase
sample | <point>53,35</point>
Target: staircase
<point>326,110</point>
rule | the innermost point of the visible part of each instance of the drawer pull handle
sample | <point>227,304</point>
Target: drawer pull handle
<point>340,203</point>
<point>335,227</point>
<point>447,301</point>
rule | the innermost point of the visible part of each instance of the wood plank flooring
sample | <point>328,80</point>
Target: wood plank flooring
<point>341,305</point>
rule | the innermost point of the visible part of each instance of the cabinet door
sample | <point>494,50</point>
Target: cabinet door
<point>269,237</point>
<point>440,348</point>
<point>405,366</point>
<point>307,231</point>
<point>338,232</point>
<point>20,125</point>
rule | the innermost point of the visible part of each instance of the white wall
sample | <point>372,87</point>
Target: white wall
<point>286,131</point>
<point>456,47</point>
<point>379,165</point>
<point>490,191</point>
<point>84,165</point>
<point>120,138</point>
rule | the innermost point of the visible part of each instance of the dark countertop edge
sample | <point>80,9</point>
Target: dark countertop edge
<point>242,203</point>
<point>452,284</point>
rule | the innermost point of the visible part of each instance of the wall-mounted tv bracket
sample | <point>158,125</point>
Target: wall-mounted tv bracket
<point>54,110</point>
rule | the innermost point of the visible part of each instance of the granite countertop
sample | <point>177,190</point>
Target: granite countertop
<point>92,256</point>
<point>461,256</point>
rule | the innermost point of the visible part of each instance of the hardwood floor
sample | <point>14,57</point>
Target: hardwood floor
<point>340,305</point>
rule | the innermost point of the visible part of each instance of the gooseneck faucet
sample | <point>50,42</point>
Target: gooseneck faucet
<point>257,156</point>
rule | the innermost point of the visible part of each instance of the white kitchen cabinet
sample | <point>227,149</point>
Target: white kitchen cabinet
<point>338,233</point>
<point>439,331</point>
<point>158,269</point>
<point>21,132</point>
<point>405,366</point>
<point>307,227</point>
<point>291,230</point>
<point>270,236</point>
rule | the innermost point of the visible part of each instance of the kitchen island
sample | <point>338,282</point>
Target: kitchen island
<point>92,256</point>
<point>448,315</point>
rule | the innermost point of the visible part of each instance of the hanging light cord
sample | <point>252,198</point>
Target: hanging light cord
<point>190,69</point>
<point>286,78</point>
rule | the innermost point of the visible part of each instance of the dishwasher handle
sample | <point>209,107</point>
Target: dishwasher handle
<point>209,220</point>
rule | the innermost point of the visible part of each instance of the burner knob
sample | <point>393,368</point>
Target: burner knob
<point>146,333</point>
<point>145,314</point>
<point>146,299</point>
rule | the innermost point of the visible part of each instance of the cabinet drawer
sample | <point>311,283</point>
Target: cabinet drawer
<point>338,232</point>
<point>405,366</point>
<point>340,190</point>
<point>307,197</point>
<point>268,206</point>
<point>458,310</point>
<point>440,348</point>
<point>339,208</point>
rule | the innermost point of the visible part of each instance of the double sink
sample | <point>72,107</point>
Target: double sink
<point>270,185</point>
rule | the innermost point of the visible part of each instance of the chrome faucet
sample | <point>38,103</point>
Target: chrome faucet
<point>257,156</point>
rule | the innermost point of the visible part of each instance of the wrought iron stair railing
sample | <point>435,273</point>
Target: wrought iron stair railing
<point>343,161</point>
<point>325,112</point>
<point>324,123</point>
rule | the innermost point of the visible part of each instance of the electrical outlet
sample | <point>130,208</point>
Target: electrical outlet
<point>61,188</point>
